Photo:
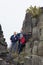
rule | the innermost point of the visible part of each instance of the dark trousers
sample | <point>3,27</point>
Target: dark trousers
<point>13,46</point>
<point>20,47</point>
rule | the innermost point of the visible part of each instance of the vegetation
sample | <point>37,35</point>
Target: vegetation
<point>35,11</point>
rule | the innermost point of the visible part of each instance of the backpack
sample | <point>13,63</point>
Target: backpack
<point>27,36</point>
<point>22,40</point>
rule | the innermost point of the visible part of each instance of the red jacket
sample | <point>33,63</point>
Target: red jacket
<point>22,40</point>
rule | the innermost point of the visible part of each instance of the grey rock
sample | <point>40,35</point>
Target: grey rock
<point>3,44</point>
<point>35,33</point>
<point>26,28</point>
<point>35,50</point>
<point>36,60</point>
<point>34,22</point>
<point>40,48</point>
<point>28,61</point>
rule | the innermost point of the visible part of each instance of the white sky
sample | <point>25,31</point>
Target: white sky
<point>12,13</point>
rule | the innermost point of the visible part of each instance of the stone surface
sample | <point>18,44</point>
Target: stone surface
<point>28,61</point>
<point>40,48</point>
<point>36,60</point>
<point>37,38</point>
<point>3,44</point>
<point>35,33</point>
<point>26,28</point>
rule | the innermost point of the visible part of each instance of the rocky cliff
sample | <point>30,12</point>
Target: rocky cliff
<point>34,25</point>
<point>32,54</point>
<point>5,57</point>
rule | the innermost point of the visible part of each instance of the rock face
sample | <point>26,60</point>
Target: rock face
<point>34,25</point>
<point>5,57</point>
<point>27,26</point>
<point>35,60</point>
<point>3,44</point>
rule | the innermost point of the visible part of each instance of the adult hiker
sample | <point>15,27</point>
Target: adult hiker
<point>21,41</point>
<point>13,39</point>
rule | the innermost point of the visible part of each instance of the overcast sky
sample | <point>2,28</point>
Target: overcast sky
<point>12,14</point>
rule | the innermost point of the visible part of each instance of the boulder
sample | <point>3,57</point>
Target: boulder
<point>3,44</point>
<point>28,61</point>
<point>36,60</point>
<point>40,48</point>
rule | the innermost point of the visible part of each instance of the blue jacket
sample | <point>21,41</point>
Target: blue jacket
<point>18,35</point>
<point>13,39</point>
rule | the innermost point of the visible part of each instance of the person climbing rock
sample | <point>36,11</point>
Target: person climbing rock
<point>21,41</point>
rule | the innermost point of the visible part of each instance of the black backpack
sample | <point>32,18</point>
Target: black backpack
<point>27,36</point>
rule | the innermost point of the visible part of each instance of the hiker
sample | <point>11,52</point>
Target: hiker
<point>13,39</point>
<point>22,41</point>
<point>27,36</point>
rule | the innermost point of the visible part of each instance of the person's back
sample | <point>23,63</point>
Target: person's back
<point>22,40</point>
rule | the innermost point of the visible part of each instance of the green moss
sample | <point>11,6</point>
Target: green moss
<point>35,11</point>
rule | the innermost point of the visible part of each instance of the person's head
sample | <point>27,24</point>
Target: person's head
<point>21,35</point>
<point>14,33</point>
